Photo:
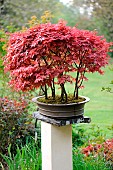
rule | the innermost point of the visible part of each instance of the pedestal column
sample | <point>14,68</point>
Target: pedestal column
<point>56,147</point>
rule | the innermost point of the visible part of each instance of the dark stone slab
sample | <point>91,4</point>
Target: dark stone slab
<point>61,122</point>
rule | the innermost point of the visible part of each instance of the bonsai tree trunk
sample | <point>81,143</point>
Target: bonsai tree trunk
<point>46,96</point>
<point>76,87</point>
<point>63,93</point>
<point>53,89</point>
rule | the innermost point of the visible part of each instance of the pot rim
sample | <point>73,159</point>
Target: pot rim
<point>87,99</point>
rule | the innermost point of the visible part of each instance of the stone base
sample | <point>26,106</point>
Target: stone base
<point>61,122</point>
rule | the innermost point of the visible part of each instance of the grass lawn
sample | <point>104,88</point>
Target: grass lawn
<point>100,107</point>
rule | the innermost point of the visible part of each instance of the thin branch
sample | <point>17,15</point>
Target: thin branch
<point>46,97</point>
<point>45,61</point>
<point>76,65</point>
<point>53,52</point>
<point>42,89</point>
<point>81,80</point>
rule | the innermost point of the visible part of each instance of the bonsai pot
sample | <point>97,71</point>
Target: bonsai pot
<point>61,111</point>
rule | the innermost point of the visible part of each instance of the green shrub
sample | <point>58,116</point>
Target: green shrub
<point>82,136</point>
<point>15,125</point>
<point>79,136</point>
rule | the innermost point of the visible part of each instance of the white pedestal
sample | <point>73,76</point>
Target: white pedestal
<point>56,147</point>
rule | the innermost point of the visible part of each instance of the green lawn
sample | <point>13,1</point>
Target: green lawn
<point>100,107</point>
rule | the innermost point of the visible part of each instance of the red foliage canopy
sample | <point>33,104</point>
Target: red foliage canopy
<point>47,51</point>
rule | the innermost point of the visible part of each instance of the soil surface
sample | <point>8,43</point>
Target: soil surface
<point>57,100</point>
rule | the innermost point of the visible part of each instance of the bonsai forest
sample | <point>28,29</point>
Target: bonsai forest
<point>46,55</point>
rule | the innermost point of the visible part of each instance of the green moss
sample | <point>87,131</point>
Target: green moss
<point>57,100</point>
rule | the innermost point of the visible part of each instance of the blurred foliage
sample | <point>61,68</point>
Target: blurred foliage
<point>103,11</point>
<point>19,12</point>
<point>98,12</point>
<point>45,18</point>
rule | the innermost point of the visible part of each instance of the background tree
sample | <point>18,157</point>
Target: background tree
<point>19,12</point>
<point>100,12</point>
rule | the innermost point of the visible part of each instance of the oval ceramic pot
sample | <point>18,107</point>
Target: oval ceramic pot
<point>61,111</point>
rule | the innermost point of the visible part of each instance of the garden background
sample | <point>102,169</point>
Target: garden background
<point>16,122</point>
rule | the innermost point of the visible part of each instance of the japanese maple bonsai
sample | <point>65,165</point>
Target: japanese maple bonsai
<point>47,55</point>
